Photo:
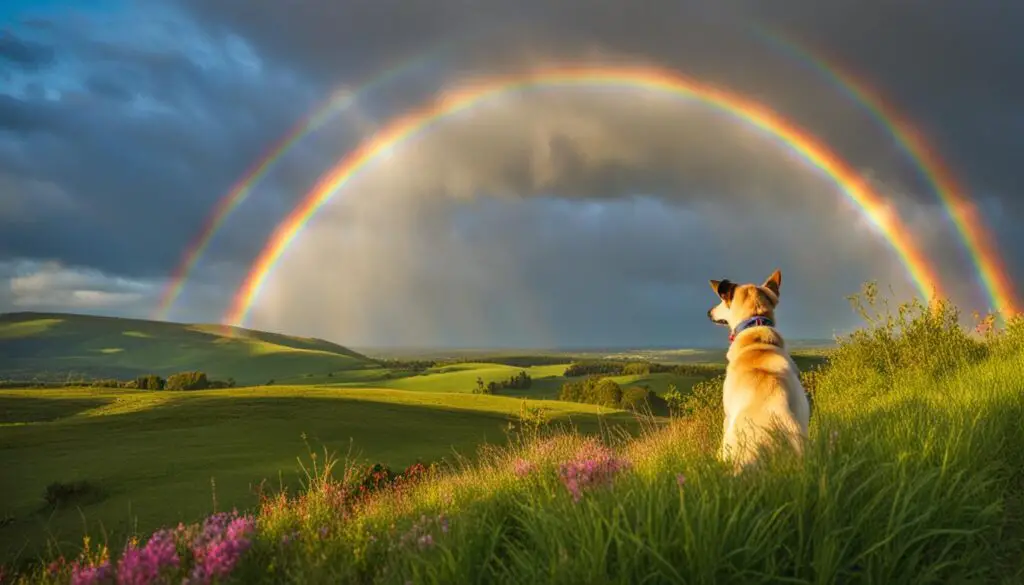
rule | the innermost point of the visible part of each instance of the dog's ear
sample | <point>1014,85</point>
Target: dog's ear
<point>774,282</point>
<point>723,288</point>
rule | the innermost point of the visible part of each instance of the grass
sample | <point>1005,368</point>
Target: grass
<point>154,454</point>
<point>913,474</point>
<point>62,346</point>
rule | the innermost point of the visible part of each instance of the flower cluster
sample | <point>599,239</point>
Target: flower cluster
<point>150,564</point>
<point>420,533</point>
<point>219,546</point>
<point>89,574</point>
<point>524,467</point>
<point>593,466</point>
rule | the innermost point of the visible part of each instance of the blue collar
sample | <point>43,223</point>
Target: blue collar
<point>756,321</point>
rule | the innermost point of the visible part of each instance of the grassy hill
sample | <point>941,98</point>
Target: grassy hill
<point>157,457</point>
<point>57,347</point>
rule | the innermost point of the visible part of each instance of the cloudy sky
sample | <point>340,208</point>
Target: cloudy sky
<point>557,217</point>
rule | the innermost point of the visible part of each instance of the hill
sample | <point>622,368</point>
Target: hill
<point>157,457</point>
<point>62,346</point>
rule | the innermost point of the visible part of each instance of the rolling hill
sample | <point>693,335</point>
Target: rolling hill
<point>62,346</point>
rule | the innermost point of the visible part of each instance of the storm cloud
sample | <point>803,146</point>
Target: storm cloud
<point>543,218</point>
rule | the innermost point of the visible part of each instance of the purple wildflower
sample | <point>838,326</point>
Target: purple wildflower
<point>592,467</point>
<point>144,566</point>
<point>324,531</point>
<point>680,479</point>
<point>219,547</point>
<point>91,574</point>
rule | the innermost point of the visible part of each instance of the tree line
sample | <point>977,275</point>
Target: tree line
<point>515,361</point>
<point>521,381</point>
<point>181,381</point>
<point>636,368</point>
<point>607,392</point>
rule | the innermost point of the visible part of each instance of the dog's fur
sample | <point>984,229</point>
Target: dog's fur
<point>762,394</point>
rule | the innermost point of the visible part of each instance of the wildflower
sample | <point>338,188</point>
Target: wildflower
<point>594,465</point>
<point>144,566</point>
<point>426,541</point>
<point>54,567</point>
<point>84,574</point>
<point>323,532</point>
<point>523,467</point>
<point>219,546</point>
<point>680,479</point>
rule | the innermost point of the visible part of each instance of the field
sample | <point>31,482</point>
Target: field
<point>155,454</point>
<point>914,473</point>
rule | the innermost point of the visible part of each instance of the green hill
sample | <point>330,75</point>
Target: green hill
<point>61,346</point>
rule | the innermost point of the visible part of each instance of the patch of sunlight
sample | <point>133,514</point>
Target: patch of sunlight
<point>27,328</point>
<point>136,334</point>
<point>111,350</point>
<point>129,403</point>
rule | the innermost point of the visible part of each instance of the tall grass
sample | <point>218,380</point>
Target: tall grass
<point>914,473</point>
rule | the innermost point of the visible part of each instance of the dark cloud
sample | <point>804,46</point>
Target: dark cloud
<point>120,131</point>
<point>22,53</point>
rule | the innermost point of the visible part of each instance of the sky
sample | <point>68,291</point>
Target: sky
<point>561,217</point>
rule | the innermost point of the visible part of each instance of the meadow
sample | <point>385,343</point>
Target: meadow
<point>914,473</point>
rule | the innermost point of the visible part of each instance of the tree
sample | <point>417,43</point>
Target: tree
<point>607,393</point>
<point>675,399</point>
<point>149,382</point>
<point>188,381</point>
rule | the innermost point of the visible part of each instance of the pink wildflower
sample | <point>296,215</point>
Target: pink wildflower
<point>219,547</point>
<point>523,467</point>
<point>91,574</point>
<point>145,566</point>
<point>592,467</point>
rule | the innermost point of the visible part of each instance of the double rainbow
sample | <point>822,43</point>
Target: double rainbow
<point>652,79</point>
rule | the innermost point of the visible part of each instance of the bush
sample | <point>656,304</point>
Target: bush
<point>898,347</point>
<point>61,494</point>
<point>187,381</point>
<point>641,399</point>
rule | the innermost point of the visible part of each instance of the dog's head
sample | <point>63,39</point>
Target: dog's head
<point>740,302</point>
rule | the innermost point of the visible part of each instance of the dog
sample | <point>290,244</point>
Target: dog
<point>762,394</point>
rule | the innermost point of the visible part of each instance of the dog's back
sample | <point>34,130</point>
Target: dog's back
<point>762,393</point>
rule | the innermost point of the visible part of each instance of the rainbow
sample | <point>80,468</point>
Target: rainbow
<point>964,215</point>
<point>647,78</point>
<point>338,102</point>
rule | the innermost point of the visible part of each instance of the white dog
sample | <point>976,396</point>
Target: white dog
<point>762,392</point>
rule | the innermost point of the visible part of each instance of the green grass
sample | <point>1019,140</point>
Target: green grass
<point>57,347</point>
<point>154,454</point>
<point>913,474</point>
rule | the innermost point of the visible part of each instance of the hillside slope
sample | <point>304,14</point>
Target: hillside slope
<point>58,346</point>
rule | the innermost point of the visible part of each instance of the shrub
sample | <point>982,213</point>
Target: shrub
<point>641,399</point>
<point>60,494</point>
<point>188,381</point>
